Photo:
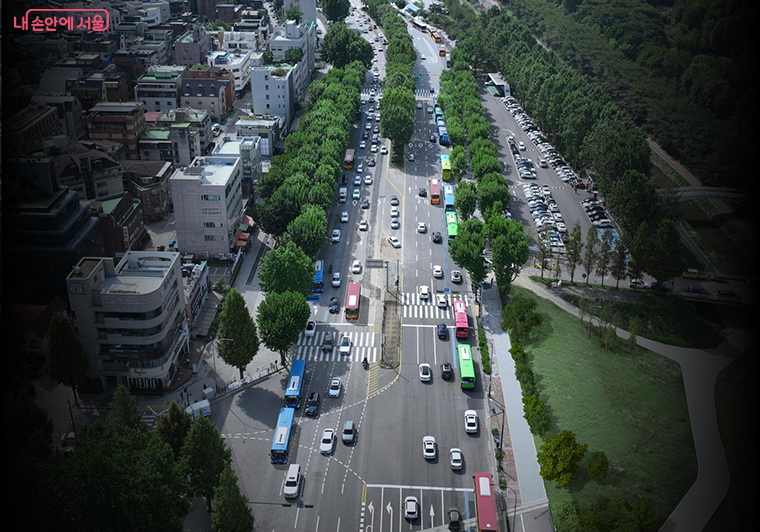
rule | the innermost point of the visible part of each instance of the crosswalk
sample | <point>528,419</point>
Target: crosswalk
<point>362,344</point>
<point>418,93</point>
<point>414,307</point>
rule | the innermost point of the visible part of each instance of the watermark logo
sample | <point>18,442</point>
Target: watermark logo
<point>48,20</point>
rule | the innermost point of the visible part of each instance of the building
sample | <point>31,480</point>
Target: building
<point>118,121</point>
<point>159,89</point>
<point>307,7</point>
<point>91,173</point>
<point>274,90</point>
<point>198,119</point>
<point>238,62</point>
<point>148,181</point>
<point>248,149</point>
<point>54,79</point>
<point>205,71</point>
<point>28,328</point>
<point>25,131</point>
<point>240,40</point>
<point>289,36</point>
<point>131,317</point>
<point>228,13</point>
<point>196,283</point>
<point>208,204</point>
<point>70,113</point>
<point>191,47</point>
<point>206,94</point>
<point>151,12</point>
<point>206,9</point>
<point>268,130</point>
<point>121,220</point>
<point>179,143</point>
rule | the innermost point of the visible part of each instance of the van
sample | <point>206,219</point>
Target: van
<point>349,433</point>
<point>201,408</point>
<point>343,195</point>
<point>693,273</point>
<point>292,482</point>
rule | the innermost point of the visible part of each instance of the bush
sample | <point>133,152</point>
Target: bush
<point>526,378</point>
<point>597,465</point>
<point>485,356</point>
<point>535,414</point>
<point>518,353</point>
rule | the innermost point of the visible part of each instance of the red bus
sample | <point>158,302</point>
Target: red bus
<point>460,319</point>
<point>352,301</point>
<point>485,503</point>
<point>416,24</point>
<point>435,192</point>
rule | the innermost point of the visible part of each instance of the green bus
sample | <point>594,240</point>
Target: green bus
<point>452,225</point>
<point>466,367</point>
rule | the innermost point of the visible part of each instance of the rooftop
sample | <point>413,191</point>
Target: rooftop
<point>139,272</point>
<point>215,171</point>
<point>156,134</point>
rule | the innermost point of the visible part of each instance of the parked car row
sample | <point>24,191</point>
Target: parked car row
<point>596,214</point>
<point>546,215</point>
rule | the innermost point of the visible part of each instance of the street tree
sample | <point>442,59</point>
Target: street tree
<point>65,359</point>
<point>618,267</point>
<point>519,317</point>
<point>574,249</point>
<point>239,341</point>
<point>397,118</point>
<point>174,426</point>
<point>123,409</point>
<point>231,511</point>
<point>589,257</point>
<point>667,261</point>
<point>467,249</point>
<point>206,456</point>
<point>308,230</point>
<point>342,46</point>
<point>544,245</point>
<point>286,268</point>
<point>559,457</point>
<point>458,160</point>
<point>293,13</point>
<point>509,248</point>
<point>482,164</point>
<point>336,10</point>
<point>605,254</point>
<point>597,465</point>
<point>465,199</point>
<point>281,318</point>
<point>492,187</point>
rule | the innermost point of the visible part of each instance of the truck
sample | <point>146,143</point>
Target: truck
<point>201,408</point>
<point>343,194</point>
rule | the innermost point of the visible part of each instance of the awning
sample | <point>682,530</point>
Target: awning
<point>242,227</point>
<point>247,220</point>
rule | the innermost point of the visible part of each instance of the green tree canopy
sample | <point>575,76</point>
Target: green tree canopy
<point>335,10</point>
<point>174,426</point>
<point>232,513</point>
<point>238,339</point>
<point>293,56</point>
<point>466,199</point>
<point>65,359</point>
<point>287,267</point>
<point>281,318</point>
<point>293,13</point>
<point>308,230</point>
<point>559,457</point>
<point>467,249</point>
<point>509,248</point>
<point>124,409</point>
<point>342,46</point>
<point>206,456</point>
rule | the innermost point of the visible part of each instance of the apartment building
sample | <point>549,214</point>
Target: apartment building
<point>198,119</point>
<point>209,95</point>
<point>70,113</point>
<point>248,149</point>
<point>148,181</point>
<point>238,62</point>
<point>159,89</point>
<point>191,47</point>
<point>118,121</point>
<point>25,131</point>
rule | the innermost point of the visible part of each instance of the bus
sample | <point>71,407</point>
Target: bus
<point>348,160</point>
<point>485,503</point>
<point>438,112</point>
<point>318,284</point>
<point>278,454</point>
<point>466,367</point>
<point>445,167</point>
<point>295,383</point>
<point>353,299</point>
<point>416,24</point>
<point>448,198</point>
<point>441,50</point>
<point>443,136</point>
<point>452,225</point>
<point>435,192</point>
<point>461,325</point>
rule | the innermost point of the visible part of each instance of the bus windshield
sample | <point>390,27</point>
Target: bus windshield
<point>278,454</point>
<point>466,367</point>
<point>353,300</point>
<point>318,285</point>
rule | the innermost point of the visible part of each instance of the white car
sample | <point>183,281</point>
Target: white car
<point>393,241</point>
<point>356,267</point>
<point>327,444</point>
<point>424,292</point>
<point>356,194</point>
<point>368,126</point>
<point>373,149</point>
<point>360,168</point>
<point>394,212</point>
<point>411,508</point>
<point>384,150</point>
<point>357,180</point>
<point>311,328</point>
<point>344,216</point>
<point>558,217</point>
<point>456,276</point>
<point>336,279</point>
<point>421,227</point>
<point>292,481</point>
<point>426,372</point>
<point>441,301</point>
<point>363,225</point>
<point>368,180</point>
<point>394,223</point>
<point>335,235</point>
<point>437,272</point>
<point>422,58</point>
<point>362,145</point>
<point>334,387</point>
<point>470,421</point>
<point>344,347</point>
<point>521,145</point>
<point>428,448</point>
<point>456,459</point>
<point>561,227</point>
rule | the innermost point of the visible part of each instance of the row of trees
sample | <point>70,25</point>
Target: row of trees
<point>122,475</point>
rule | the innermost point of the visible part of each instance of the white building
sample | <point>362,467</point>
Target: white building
<point>275,90</point>
<point>237,61</point>
<point>307,7</point>
<point>269,131</point>
<point>248,149</point>
<point>288,36</point>
<point>240,40</point>
<point>208,204</point>
<point>131,317</point>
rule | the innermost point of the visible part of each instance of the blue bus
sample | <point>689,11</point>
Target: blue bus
<point>278,454</point>
<point>448,198</point>
<point>443,136</point>
<point>295,383</point>
<point>318,285</point>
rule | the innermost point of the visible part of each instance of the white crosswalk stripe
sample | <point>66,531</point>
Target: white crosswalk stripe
<point>362,344</point>
<point>414,307</point>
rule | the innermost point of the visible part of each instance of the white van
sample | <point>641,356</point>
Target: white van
<point>292,482</point>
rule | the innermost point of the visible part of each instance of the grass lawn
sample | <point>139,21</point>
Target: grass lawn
<point>629,405</point>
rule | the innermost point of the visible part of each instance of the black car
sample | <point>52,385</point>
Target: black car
<point>344,180</point>
<point>327,343</point>
<point>423,192</point>
<point>365,135</point>
<point>442,331</point>
<point>334,305</point>
<point>728,293</point>
<point>432,138</point>
<point>696,290</point>
<point>312,405</point>
<point>365,203</point>
<point>446,371</point>
<point>437,238</point>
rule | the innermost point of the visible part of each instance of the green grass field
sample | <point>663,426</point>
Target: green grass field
<point>629,405</point>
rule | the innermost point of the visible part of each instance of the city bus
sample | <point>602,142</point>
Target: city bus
<point>461,324</point>
<point>278,454</point>
<point>443,136</point>
<point>452,225</point>
<point>445,167</point>
<point>416,24</point>
<point>353,299</point>
<point>438,112</point>
<point>295,384</point>
<point>435,192</point>
<point>441,50</point>
<point>466,367</point>
<point>485,503</point>
<point>318,284</point>
<point>448,198</point>
<point>348,160</point>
